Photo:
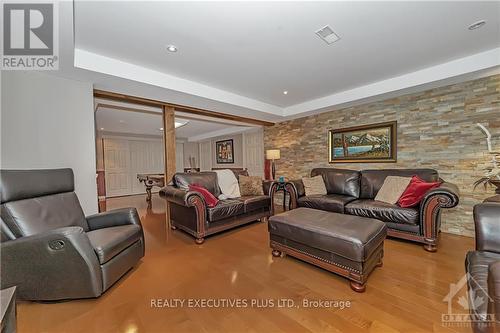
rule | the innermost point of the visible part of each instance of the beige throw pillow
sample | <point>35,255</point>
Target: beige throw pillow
<point>250,185</point>
<point>314,185</point>
<point>392,189</point>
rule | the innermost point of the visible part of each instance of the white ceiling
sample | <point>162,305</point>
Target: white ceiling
<point>136,123</point>
<point>257,50</point>
<point>237,57</point>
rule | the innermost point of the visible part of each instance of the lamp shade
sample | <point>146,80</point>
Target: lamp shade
<point>273,154</point>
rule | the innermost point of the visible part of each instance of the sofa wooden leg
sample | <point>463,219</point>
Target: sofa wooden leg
<point>199,240</point>
<point>276,253</point>
<point>264,219</point>
<point>358,287</point>
<point>380,263</point>
<point>430,247</point>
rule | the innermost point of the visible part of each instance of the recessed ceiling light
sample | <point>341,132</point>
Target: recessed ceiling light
<point>102,128</point>
<point>161,128</point>
<point>171,48</point>
<point>285,92</point>
<point>477,25</point>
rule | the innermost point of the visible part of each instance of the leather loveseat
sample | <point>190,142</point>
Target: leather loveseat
<point>353,192</point>
<point>483,268</point>
<point>189,212</point>
<point>50,250</point>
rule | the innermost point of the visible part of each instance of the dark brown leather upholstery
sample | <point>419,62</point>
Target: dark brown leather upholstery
<point>383,211</point>
<point>207,179</point>
<point>339,181</point>
<point>349,236</point>
<point>483,266</point>
<point>329,202</point>
<point>225,209</point>
<point>372,180</point>
<point>419,224</point>
<point>257,202</point>
<point>50,251</point>
<point>188,210</point>
<point>348,245</point>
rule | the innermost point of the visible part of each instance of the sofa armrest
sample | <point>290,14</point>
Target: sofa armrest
<point>494,292</point>
<point>444,196</point>
<point>113,218</point>
<point>181,197</point>
<point>487,226</point>
<point>58,264</point>
<point>266,186</point>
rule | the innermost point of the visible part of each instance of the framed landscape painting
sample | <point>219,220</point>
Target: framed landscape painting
<point>369,143</point>
<point>225,151</point>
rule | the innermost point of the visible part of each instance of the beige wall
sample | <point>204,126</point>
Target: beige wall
<point>436,129</point>
<point>238,151</point>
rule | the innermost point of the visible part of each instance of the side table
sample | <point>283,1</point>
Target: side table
<point>288,191</point>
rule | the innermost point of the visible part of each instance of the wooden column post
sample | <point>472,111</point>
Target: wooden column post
<point>169,141</point>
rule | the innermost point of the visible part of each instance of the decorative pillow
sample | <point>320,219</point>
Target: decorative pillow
<point>250,185</point>
<point>392,189</point>
<point>210,199</point>
<point>314,185</point>
<point>415,192</point>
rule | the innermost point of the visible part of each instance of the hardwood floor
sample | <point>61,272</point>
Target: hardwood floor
<point>405,295</point>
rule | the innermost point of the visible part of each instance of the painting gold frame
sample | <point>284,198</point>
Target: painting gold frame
<point>392,158</point>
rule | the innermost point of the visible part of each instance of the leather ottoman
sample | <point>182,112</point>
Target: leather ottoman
<point>348,245</point>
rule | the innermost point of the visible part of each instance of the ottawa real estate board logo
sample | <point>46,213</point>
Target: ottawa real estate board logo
<point>30,36</point>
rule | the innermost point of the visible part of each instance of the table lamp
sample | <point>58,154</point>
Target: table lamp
<point>273,154</point>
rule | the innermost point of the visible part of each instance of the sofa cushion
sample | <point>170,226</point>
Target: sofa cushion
<point>224,209</point>
<point>372,180</point>
<point>108,242</point>
<point>206,179</point>
<point>383,211</point>
<point>476,264</point>
<point>328,202</point>
<point>250,185</point>
<point>255,202</point>
<point>392,189</point>
<point>314,185</point>
<point>339,181</point>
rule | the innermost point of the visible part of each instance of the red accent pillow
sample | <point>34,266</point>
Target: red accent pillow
<point>210,199</point>
<point>415,192</point>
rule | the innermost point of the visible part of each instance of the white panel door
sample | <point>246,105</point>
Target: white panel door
<point>145,157</point>
<point>253,151</point>
<point>117,167</point>
<point>179,157</point>
<point>205,155</point>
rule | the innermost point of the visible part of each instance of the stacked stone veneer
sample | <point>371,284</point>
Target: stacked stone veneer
<point>436,129</point>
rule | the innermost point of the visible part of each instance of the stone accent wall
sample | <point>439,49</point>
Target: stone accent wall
<point>436,129</point>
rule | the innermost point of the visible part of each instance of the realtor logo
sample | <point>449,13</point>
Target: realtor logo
<point>470,302</point>
<point>29,36</point>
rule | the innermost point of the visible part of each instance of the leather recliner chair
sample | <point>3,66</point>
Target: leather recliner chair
<point>483,268</point>
<point>50,250</point>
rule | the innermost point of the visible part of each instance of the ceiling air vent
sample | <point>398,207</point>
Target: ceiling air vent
<point>326,33</point>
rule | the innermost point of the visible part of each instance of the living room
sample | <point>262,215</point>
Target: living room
<point>250,166</point>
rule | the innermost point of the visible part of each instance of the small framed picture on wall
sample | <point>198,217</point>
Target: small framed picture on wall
<point>225,151</point>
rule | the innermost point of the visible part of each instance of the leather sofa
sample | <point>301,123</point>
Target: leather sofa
<point>483,268</point>
<point>50,250</point>
<point>353,192</point>
<point>189,212</point>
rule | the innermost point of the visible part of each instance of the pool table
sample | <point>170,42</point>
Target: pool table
<point>150,180</point>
